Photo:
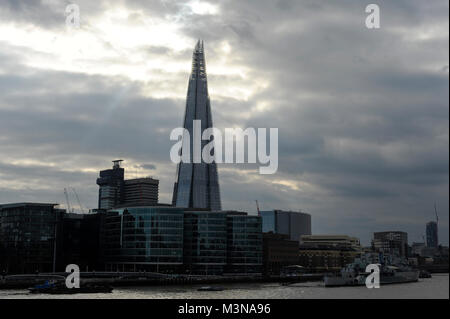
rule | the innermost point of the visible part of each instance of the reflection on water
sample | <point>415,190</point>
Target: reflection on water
<point>436,287</point>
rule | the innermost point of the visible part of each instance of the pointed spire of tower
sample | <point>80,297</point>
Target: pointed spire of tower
<point>197,184</point>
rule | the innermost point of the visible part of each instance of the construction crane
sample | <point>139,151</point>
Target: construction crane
<point>67,201</point>
<point>78,200</point>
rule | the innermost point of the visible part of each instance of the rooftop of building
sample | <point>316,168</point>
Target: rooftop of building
<point>24,204</point>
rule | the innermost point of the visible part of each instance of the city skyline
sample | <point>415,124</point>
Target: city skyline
<point>363,114</point>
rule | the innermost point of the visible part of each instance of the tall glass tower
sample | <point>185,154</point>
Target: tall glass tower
<point>197,184</point>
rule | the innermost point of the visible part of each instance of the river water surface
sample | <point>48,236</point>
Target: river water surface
<point>435,287</point>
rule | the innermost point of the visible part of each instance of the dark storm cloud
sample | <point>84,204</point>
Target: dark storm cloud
<point>362,114</point>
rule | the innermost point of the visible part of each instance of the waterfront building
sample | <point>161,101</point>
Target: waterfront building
<point>322,253</point>
<point>29,234</point>
<point>244,243</point>
<point>432,235</point>
<point>391,242</point>
<point>144,238</point>
<point>205,242</point>
<point>293,224</point>
<point>111,183</point>
<point>339,241</point>
<point>197,184</point>
<point>278,252</point>
<point>81,242</point>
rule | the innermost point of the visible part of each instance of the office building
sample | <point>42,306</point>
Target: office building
<point>394,243</point>
<point>205,242</point>
<point>278,252</point>
<point>115,191</point>
<point>81,242</point>
<point>197,184</point>
<point>340,241</point>
<point>432,235</point>
<point>293,224</point>
<point>143,238</point>
<point>322,253</point>
<point>111,183</point>
<point>141,192</point>
<point>29,233</point>
<point>244,243</point>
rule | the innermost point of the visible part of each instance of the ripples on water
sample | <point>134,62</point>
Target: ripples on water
<point>436,287</point>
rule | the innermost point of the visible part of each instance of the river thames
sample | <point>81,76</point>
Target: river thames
<point>436,287</point>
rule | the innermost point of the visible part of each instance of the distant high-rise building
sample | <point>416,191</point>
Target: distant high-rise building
<point>293,224</point>
<point>391,242</point>
<point>111,182</point>
<point>197,184</point>
<point>115,191</point>
<point>141,191</point>
<point>432,235</point>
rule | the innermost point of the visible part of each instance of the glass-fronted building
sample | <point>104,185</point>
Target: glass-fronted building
<point>293,224</point>
<point>144,238</point>
<point>244,243</point>
<point>28,237</point>
<point>205,242</point>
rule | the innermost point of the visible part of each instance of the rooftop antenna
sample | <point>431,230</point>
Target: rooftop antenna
<point>257,207</point>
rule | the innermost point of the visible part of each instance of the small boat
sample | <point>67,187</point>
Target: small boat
<point>57,289</point>
<point>424,274</point>
<point>209,288</point>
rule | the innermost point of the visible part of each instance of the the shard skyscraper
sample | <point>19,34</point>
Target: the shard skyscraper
<point>197,184</point>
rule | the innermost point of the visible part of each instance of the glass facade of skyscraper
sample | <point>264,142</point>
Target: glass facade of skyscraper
<point>197,184</point>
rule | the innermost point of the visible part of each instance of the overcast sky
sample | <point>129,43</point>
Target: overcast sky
<point>363,114</point>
